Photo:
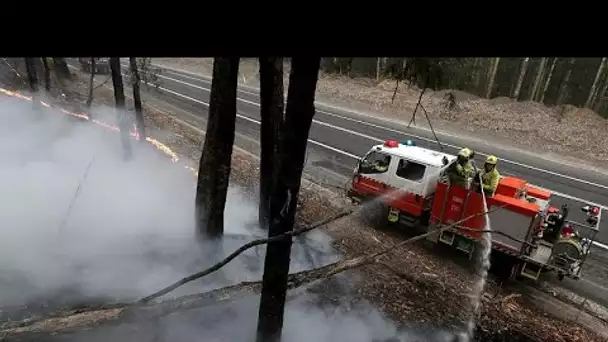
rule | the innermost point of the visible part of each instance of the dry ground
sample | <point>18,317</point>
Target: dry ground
<point>574,133</point>
<point>417,286</point>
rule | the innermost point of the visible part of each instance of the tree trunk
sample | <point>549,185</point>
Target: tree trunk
<point>539,76</point>
<point>520,79</point>
<point>214,166</point>
<point>61,67</point>
<point>593,89</point>
<point>548,80</point>
<point>600,97</point>
<point>91,87</point>
<point>119,96</point>
<point>492,76</point>
<point>476,76</point>
<point>32,80</point>
<point>564,87</point>
<point>139,114</point>
<point>47,74</point>
<point>272,103</point>
<point>299,113</point>
<point>378,67</point>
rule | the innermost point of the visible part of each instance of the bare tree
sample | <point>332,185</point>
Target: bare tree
<point>476,75</point>
<point>492,76</point>
<point>47,74</point>
<point>292,150</point>
<point>91,87</point>
<point>271,110</point>
<point>601,97</point>
<point>214,166</point>
<point>593,89</point>
<point>540,72</point>
<point>548,80</point>
<point>520,79</point>
<point>61,68</point>
<point>565,84</point>
<point>30,69</point>
<point>119,96</point>
<point>139,114</point>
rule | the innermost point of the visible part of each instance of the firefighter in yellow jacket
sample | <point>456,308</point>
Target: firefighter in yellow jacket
<point>490,176</point>
<point>461,170</point>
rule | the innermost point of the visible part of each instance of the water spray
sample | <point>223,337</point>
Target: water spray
<point>486,249</point>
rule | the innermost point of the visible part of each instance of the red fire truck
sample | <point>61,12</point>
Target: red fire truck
<point>411,184</point>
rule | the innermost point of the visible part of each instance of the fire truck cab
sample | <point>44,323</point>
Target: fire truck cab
<point>405,175</point>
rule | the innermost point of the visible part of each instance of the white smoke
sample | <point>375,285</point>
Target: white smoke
<point>77,223</point>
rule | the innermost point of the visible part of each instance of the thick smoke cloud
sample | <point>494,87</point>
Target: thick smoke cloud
<point>78,224</point>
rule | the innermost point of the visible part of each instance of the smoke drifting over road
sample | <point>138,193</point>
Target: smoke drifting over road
<point>80,225</point>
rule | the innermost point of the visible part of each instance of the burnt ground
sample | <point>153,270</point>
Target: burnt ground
<point>419,288</point>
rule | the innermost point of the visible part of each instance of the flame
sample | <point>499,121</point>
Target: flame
<point>133,133</point>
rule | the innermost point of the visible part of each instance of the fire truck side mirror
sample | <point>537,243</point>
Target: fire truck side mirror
<point>444,160</point>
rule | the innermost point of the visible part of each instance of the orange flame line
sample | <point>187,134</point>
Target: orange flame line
<point>157,144</point>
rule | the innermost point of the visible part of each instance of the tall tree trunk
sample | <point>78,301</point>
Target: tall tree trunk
<point>593,89</point>
<point>378,67</point>
<point>476,76</point>
<point>299,113</point>
<point>538,78</point>
<point>600,97</point>
<point>271,110</point>
<point>91,87</point>
<point>61,67</point>
<point>548,80</point>
<point>214,166</point>
<point>139,114</point>
<point>565,86</point>
<point>47,74</point>
<point>492,75</point>
<point>30,69</point>
<point>520,79</point>
<point>119,97</point>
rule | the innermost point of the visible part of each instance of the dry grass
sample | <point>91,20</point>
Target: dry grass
<point>579,134</point>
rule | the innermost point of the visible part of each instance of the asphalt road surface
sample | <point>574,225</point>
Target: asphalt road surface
<point>347,136</point>
<point>339,137</point>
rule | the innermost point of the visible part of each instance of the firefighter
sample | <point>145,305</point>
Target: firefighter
<point>490,176</point>
<point>462,170</point>
<point>382,165</point>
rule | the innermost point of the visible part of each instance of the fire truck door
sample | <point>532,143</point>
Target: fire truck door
<point>376,166</point>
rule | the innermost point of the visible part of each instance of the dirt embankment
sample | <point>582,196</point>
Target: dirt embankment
<point>575,133</point>
<point>413,285</point>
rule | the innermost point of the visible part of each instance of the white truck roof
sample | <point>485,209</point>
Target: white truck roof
<point>415,153</point>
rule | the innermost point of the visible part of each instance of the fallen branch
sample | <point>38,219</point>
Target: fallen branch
<point>240,250</point>
<point>102,84</point>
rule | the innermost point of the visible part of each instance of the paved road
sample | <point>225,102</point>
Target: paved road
<point>339,137</point>
<point>347,136</point>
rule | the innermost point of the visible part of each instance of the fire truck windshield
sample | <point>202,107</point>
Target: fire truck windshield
<point>375,162</point>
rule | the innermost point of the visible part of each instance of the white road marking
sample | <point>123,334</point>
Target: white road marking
<point>369,137</point>
<point>350,132</point>
<point>600,245</point>
<point>553,173</point>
